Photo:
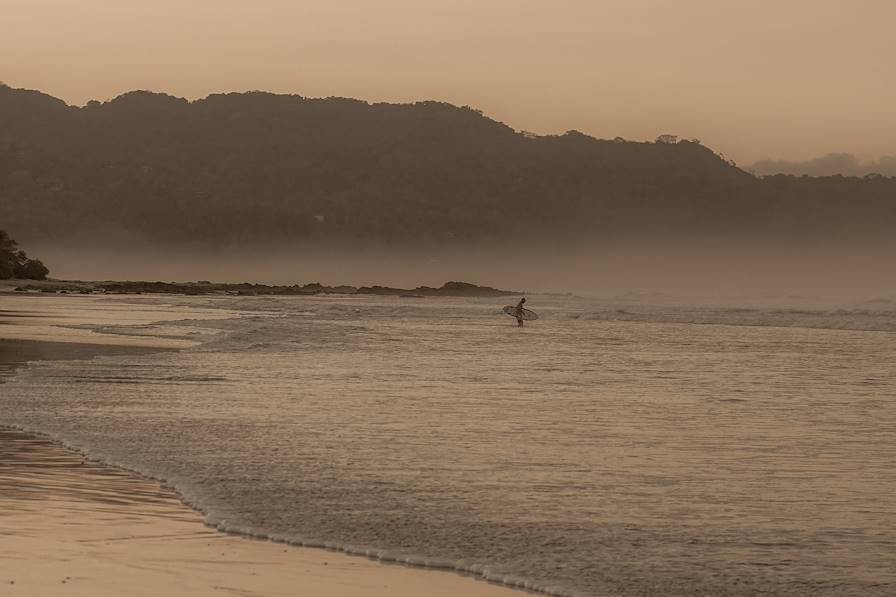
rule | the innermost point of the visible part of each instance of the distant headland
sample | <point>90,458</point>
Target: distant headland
<point>449,289</point>
<point>15,264</point>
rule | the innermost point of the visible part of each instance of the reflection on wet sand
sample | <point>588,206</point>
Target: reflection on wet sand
<point>33,468</point>
<point>103,532</point>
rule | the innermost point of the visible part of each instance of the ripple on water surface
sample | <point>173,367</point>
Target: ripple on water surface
<point>584,455</point>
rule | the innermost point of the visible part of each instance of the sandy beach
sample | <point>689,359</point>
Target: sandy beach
<point>69,526</point>
<point>73,527</point>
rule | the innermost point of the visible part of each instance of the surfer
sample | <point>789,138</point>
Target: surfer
<point>519,311</point>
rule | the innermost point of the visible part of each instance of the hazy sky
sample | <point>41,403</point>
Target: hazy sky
<point>752,78</point>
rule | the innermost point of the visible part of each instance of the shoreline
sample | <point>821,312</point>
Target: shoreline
<point>72,521</point>
<point>105,531</point>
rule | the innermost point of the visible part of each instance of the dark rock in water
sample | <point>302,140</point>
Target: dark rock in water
<point>466,289</point>
<point>447,289</point>
<point>384,290</point>
<point>343,289</point>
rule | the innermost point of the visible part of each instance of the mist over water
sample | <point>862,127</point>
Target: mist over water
<point>608,448</point>
<point>688,269</point>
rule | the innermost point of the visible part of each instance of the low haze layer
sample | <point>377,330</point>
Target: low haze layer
<point>828,165</point>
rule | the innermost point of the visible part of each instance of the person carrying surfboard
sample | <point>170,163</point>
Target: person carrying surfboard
<point>519,311</point>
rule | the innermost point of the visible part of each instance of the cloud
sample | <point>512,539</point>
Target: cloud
<point>833,163</point>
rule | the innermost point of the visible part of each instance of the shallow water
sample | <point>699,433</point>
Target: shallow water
<point>606,449</point>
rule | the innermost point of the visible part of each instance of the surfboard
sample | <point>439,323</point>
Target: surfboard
<point>526,314</point>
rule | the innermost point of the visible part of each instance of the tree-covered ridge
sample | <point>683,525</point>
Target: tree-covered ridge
<point>14,263</point>
<point>258,167</point>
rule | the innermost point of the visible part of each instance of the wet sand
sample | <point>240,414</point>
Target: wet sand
<point>69,526</point>
<point>15,353</point>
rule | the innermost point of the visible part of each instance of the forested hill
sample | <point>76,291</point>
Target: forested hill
<point>255,167</point>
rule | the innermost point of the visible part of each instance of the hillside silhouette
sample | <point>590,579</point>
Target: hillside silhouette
<point>258,167</point>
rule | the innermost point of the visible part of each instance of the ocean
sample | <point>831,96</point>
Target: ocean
<point>613,447</point>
